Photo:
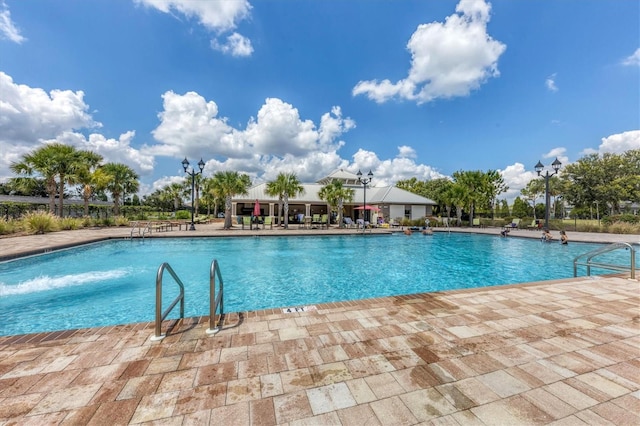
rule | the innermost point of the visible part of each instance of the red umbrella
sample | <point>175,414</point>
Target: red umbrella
<point>256,208</point>
<point>367,207</point>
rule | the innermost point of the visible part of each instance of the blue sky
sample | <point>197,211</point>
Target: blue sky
<point>404,88</point>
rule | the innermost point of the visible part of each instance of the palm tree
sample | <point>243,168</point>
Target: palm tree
<point>175,192</point>
<point>227,184</point>
<point>210,196</point>
<point>458,196</point>
<point>474,192</point>
<point>335,194</point>
<point>45,161</point>
<point>88,176</point>
<point>122,179</point>
<point>286,185</point>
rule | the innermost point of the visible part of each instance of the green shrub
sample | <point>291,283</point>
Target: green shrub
<point>623,218</point>
<point>183,214</point>
<point>107,221</point>
<point>88,222</point>
<point>69,223</point>
<point>8,226</point>
<point>39,222</point>
<point>624,228</point>
<point>121,221</point>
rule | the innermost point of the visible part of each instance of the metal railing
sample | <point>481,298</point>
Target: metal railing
<point>586,260</point>
<point>215,300</point>
<point>143,229</point>
<point>160,316</point>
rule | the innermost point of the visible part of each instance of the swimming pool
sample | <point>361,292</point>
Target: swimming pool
<point>113,282</point>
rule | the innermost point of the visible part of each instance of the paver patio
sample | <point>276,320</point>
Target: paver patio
<point>555,352</point>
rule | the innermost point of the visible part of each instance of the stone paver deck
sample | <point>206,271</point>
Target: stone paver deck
<point>561,352</point>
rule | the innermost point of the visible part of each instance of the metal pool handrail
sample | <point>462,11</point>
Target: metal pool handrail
<point>160,316</point>
<point>606,249</point>
<point>145,227</point>
<point>215,301</point>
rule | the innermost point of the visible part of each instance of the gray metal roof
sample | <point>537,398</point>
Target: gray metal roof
<point>382,195</point>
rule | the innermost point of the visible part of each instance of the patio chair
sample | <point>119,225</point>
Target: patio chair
<point>535,225</point>
<point>348,222</point>
<point>514,223</point>
<point>246,221</point>
<point>476,222</point>
<point>324,221</point>
<point>267,221</point>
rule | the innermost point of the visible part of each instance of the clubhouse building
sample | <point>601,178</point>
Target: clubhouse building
<point>389,202</point>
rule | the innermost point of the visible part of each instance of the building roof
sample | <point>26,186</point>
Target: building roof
<point>375,195</point>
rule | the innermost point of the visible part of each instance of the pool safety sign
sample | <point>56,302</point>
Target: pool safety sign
<point>298,309</point>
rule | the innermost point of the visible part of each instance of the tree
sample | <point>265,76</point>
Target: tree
<point>210,197</point>
<point>175,192</point>
<point>33,186</point>
<point>87,176</point>
<point>473,194</point>
<point>44,162</point>
<point>520,208</point>
<point>493,185</point>
<point>534,189</point>
<point>504,208</point>
<point>457,195</point>
<point>284,186</point>
<point>607,179</point>
<point>436,190</point>
<point>335,194</point>
<point>120,179</point>
<point>227,184</point>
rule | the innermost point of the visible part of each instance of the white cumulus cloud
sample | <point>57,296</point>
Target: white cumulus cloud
<point>235,44</point>
<point>448,59</point>
<point>633,59</point>
<point>219,16</point>
<point>618,143</point>
<point>388,172</point>
<point>8,29</point>
<point>30,117</point>
<point>550,82</point>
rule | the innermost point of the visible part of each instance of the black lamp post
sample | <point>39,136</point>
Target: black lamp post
<point>539,167</point>
<point>364,181</point>
<point>192,173</point>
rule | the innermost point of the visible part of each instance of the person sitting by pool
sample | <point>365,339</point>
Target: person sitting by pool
<point>563,238</point>
<point>546,235</point>
<point>505,232</point>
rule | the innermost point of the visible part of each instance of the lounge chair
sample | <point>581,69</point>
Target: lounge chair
<point>246,221</point>
<point>267,221</point>
<point>535,225</point>
<point>514,223</point>
<point>348,222</point>
<point>476,222</point>
<point>324,221</point>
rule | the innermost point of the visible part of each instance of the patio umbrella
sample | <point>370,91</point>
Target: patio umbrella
<point>367,207</point>
<point>256,208</point>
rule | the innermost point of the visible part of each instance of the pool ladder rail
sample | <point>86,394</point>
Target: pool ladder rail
<point>586,259</point>
<point>141,228</point>
<point>215,301</point>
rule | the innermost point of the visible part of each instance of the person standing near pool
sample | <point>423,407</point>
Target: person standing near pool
<point>546,235</point>
<point>563,238</point>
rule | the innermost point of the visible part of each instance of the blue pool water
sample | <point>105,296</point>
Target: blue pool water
<point>114,282</point>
